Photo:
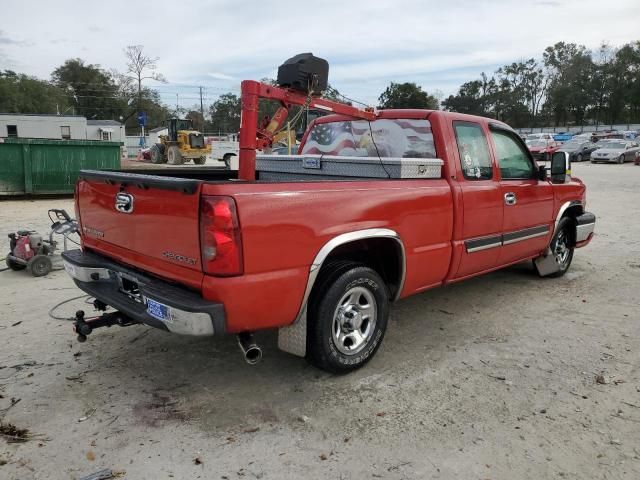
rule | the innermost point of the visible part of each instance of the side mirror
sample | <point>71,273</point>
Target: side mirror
<point>542,172</point>
<point>560,167</point>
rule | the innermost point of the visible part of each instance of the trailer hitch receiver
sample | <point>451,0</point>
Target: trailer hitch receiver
<point>83,327</point>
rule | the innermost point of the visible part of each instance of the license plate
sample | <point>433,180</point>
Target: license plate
<point>158,310</point>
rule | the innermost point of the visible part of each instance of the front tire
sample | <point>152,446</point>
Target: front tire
<point>174,157</point>
<point>562,246</point>
<point>200,160</point>
<point>157,154</point>
<point>348,318</point>
<point>621,159</point>
<point>579,158</point>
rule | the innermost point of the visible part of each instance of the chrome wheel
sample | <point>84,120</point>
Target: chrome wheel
<point>354,320</point>
<point>562,249</point>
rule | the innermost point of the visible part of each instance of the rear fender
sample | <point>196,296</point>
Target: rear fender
<point>293,338</point>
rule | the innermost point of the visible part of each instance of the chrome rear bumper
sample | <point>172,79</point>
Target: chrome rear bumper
<point>138,295</point>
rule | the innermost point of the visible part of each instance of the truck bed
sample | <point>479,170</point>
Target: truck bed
<point>283,224</point>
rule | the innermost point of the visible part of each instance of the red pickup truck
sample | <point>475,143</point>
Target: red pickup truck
<point>321,244</point>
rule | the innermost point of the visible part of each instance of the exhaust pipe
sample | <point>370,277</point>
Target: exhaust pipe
<point>251,351</point>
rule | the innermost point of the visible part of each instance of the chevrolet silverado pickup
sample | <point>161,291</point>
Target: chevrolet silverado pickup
<point>376,206</point>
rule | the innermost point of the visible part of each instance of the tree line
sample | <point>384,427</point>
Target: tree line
<point>570,85</point>
<point>79,88</point>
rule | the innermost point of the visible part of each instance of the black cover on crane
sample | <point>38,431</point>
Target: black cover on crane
<point>304,71</point>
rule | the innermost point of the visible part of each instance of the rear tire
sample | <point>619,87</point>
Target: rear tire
<point>579,158</point>
<point>13,265</point>
<point>174,157</point>
<point>39,266</point>
<point>348,317</point>
<point>157,154</point>
<point>227,160</point>
<point>200,160</point>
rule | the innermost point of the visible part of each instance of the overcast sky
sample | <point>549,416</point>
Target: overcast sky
<point>216,44</point>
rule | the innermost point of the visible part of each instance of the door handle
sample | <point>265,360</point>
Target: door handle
<point>510,198</point>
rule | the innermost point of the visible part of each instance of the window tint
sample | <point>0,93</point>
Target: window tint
<point>474,152</point>
<point>12,130</point>
<point>65,133</point>
<point>512,159</point>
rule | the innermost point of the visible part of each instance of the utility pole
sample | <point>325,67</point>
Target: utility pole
<point>201,109</point>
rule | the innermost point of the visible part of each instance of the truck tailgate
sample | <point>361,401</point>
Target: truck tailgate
<point>147,221</point>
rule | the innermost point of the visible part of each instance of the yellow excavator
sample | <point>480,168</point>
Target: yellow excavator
<point>182,143</point>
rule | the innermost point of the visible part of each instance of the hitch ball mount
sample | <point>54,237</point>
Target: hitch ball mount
<point>84,326</point>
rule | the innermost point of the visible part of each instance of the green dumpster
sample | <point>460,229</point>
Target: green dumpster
<point>39,166</point>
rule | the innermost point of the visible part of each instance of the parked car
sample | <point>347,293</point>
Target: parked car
<point>578,149</point>
<point>542,149</point>
<point>539,136</point>
<point>617,151</point>
<point>563,136</point>
<point>378,207</point>
<point>610,135</point>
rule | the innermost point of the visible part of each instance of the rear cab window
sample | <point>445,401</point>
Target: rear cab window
<point>475,159</point>
<point>395,138</point>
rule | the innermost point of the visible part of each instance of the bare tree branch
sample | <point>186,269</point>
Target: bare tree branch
<point>141,67</point>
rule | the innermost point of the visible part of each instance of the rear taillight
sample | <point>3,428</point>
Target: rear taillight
<point>220,240</point>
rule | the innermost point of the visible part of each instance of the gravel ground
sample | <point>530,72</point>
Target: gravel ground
<point>493,378</point>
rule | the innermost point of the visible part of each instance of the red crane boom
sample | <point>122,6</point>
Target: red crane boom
<point>254,137</point>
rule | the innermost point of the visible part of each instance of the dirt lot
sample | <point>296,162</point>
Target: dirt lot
<point>494,378</point>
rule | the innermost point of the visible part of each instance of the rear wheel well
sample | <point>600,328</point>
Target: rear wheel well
<point>384,255</point>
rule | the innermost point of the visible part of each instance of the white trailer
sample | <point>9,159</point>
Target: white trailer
<point>225,153</point>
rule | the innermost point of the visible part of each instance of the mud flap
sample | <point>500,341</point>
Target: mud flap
<point>547,264</point>
<point>293,339</point>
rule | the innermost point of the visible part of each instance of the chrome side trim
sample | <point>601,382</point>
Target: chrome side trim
<point>484,243</point>
<point>526,237</point>
<point>484,247</point>
<point>525,234</point>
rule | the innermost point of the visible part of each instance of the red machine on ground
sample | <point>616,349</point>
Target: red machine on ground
<point>378,206</point>
<point>28,250</point>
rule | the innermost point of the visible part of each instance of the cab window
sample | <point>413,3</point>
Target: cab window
<point>513,160</point>
<point>475,159</point>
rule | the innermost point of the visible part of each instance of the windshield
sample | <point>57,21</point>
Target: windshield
<point>399,138</point>
<point>614,145</point>
<point>183,124</point>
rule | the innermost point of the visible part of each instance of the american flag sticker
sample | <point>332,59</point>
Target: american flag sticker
<point>404,138</point>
